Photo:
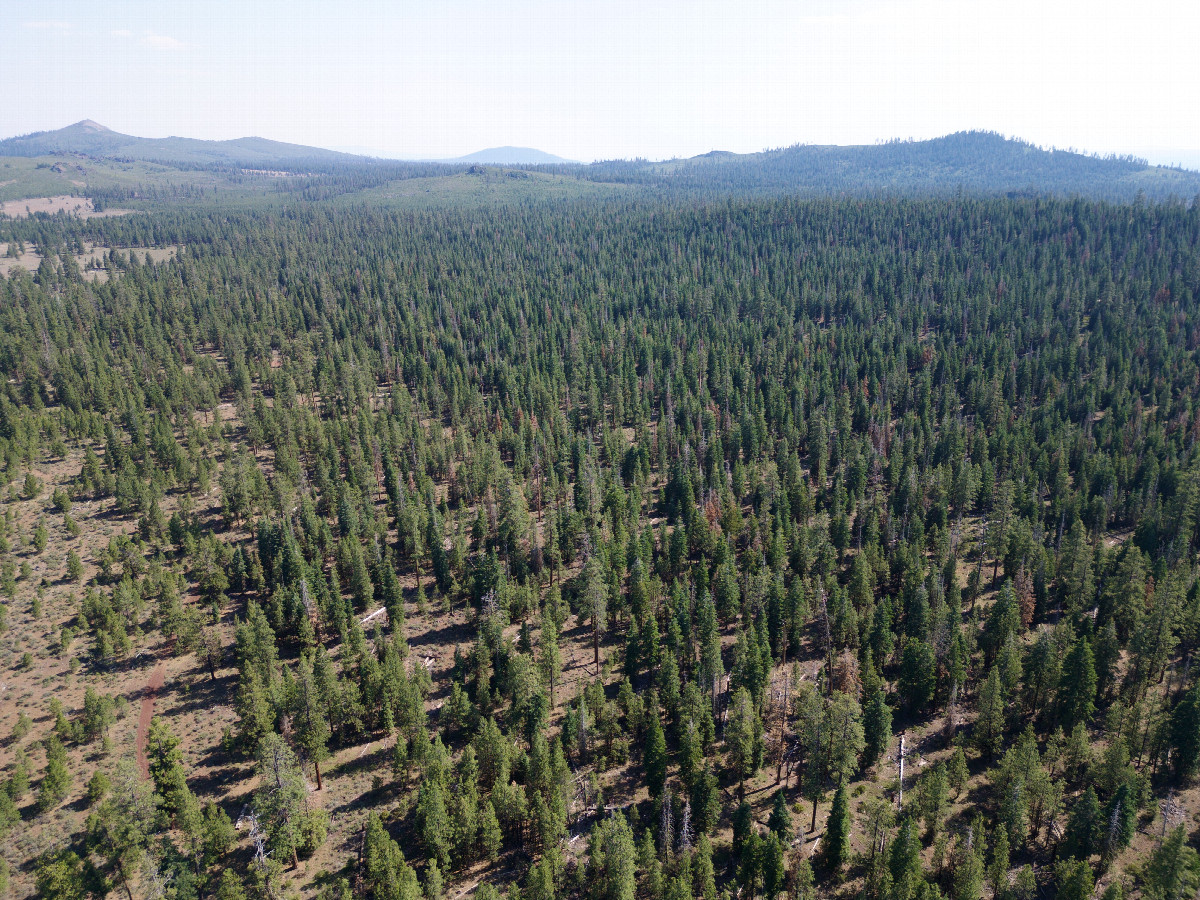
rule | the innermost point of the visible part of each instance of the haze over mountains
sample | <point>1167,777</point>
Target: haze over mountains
<point>511,156</point>
<point>976,162</point>
<point>93,139</point>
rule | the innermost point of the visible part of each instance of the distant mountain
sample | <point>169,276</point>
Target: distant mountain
<point>974,162</point>
<point>970,162</point>
<point>92,139</point>
<point>511,156</point>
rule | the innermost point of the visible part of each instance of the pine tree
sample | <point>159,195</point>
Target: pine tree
<point>1079,840</point>
<point>1119,823</point>
<point>613,860</point>
<point>931,798</point>
<point>280,798</point>
<point>877,726</point>
<point>773,866</point>
<point>918,675</point>
<point>120,830</point>
<point>967,869</point>
<point>654,757</point>
<point>989,725</point>
<point>998,870</point>
<point>311,725</point>
<point>433,882</point>
<point>433,822</point>
<point>904,862</point>
<point>704,884</point>
<point>595,599</point>
<point>837,832</point>
<point>490,836</point>
<point>1184,731</point>
<point>1173,870</point>
<point>956,771</point>
<point>1073,878</point>
<point>740,737</point>
<point>750,861</point>
<point>780,821</point>
<point>56,780</point>
<point>165,762</point>
<point>550,658</point>
<point>1077,689</point>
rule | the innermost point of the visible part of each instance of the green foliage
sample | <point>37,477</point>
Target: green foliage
<point>280,799</point>
<point>780,821</point>
<point>1077,690</point>
<point>877,726</point>
<point>1173,870</point>
<point>611,863</point>
<point>56,778</point>
<point>1185,734</point>
<point>837,832</point>
<point>918,675</point>
<point>1073,879</point>
<point>98,786</point>
<point>742,735</point>
<point>61,877</point>
<point>896,460</point>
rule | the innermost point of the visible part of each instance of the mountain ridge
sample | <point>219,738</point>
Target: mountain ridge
<point>511,156</point>
<point>89,138</point>
<point>977,162</point>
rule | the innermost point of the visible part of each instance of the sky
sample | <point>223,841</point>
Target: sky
<point>607,78</point>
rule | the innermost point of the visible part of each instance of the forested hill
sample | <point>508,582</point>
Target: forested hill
<point>511,156</point>
<point>92,139</point>
<point>122,170</point>
<point>974,162</point>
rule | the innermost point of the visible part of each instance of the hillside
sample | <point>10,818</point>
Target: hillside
<point>511,156</point>
<point>116,170</point>
<point>973,162</point>
<point>88,138</point>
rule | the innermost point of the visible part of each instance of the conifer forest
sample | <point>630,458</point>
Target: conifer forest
<point>631,544</point>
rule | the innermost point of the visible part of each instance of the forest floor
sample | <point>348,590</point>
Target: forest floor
<point>357,779</point>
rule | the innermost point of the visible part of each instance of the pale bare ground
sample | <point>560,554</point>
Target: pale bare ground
<point>29,260</point>
<point>81,206</point>
<point>90,262</point>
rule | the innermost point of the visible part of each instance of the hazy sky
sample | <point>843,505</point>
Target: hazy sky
<point>605,79</point>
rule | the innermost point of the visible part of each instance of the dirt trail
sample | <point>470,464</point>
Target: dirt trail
<point>153,686</point>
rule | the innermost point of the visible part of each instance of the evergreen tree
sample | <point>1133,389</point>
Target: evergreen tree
<point>918,675</point>
<point>837,832</point>
<point>433,822</point>
<point>311,725</point>
<point>1173,870</point>
<point>1184,731</point>
<point>1077,689</point>
<point>654,757</point>
<point>780,821</point>
<point>1079,840</point>
<point>612,860</point>
<point>989,725</point>
<point>773,866</point>
<point>56,780</point>
<point>280,798</point>
<point>1073,879</point>
<point>904,863</point>
<point>741,736</point>
<point>967,870</point>
<point>877,727</point>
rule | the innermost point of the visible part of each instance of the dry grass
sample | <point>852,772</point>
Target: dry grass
<point>91,262</point>
<point>79,206</point>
